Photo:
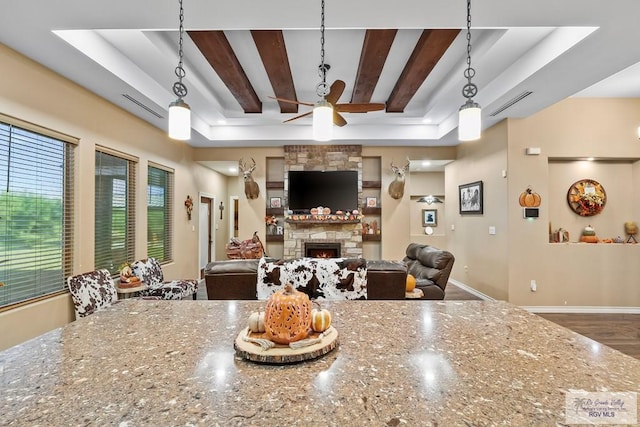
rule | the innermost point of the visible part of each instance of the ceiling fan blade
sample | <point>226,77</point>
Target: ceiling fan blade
<point>335,91</point>
<point>298,116</point>
<point>338,120</point>
<point>291,101</point>
<point>359,108</point>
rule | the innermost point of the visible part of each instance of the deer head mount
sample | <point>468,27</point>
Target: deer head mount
<point>396,188</point>
<point>251,189</point>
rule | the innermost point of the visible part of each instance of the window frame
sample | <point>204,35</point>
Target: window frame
<point>128,253</point>
<point>39,143</point>
<point>155,172</point>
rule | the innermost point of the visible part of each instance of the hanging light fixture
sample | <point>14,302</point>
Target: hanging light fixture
<point>469,115</point>
<point>179,111</point>
<point>323,110</point>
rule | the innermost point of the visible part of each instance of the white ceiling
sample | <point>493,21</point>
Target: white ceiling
<point>553,49</point>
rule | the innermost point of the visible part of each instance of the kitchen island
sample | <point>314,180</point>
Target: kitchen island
<point>412,363</point>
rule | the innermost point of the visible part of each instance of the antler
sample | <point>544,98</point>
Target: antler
<point>253,166</point>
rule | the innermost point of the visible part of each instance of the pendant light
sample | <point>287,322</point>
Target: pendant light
<point>179,111</point>
<point>469,115</point>
<point>323,110</point>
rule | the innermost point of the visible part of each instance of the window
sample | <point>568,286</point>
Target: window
<point>160,213</point>
<point>36,210</point>
<point>115,210</point>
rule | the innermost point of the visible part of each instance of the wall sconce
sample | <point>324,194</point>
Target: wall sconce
<point>429,200</point>
<point>188,204</point>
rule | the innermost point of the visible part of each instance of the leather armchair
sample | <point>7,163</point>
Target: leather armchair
<point>431,267</point>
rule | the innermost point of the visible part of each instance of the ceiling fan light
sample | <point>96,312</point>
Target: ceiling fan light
<point>179,120</point>
<point>322,121</point>
<point>469,121</point>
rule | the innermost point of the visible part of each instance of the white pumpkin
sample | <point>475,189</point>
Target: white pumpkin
<point>256,321</point>
<point>320,320</point>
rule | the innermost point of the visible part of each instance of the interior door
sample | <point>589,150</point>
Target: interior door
<point>206,227</point>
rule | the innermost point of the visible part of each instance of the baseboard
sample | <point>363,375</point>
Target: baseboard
<point>582,309</point>
<point>471,290</point>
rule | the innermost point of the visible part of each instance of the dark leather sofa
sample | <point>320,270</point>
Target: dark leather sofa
<point>236,279</point>
<point>431,267</point>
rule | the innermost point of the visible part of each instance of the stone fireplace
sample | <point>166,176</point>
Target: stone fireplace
<point>348,236</point>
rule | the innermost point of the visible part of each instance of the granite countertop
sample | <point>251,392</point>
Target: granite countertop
<point>412,363</point>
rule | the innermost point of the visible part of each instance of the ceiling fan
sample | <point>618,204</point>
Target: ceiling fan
<point>332,97</point>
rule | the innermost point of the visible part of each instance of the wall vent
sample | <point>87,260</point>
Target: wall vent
<point>509,103</point>
<point>141,105</point>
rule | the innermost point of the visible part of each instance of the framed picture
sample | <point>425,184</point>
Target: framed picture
<point>275,202</point>
<point>429,217</point>
<point>470,198</point>
<point>371,202</point>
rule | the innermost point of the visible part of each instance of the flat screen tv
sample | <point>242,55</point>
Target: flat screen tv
<point>337,190</point>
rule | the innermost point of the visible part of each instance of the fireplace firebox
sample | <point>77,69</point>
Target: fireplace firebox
<point>322,250</point>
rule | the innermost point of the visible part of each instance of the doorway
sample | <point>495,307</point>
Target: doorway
<point>206,237</point>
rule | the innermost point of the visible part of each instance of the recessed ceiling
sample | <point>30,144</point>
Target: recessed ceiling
<point>553,50</point>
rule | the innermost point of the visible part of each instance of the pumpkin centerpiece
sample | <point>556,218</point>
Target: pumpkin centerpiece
<point>287,316</point>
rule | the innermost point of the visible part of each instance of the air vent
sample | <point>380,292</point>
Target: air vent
<point>509,103</point>
<point>141,105</point>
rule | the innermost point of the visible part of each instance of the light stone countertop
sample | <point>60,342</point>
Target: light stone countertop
<point>414,363</point>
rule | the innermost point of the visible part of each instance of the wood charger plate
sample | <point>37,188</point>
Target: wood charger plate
<point>282,354</point>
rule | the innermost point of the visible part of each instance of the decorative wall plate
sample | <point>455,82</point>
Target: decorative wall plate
<point>586,197</point>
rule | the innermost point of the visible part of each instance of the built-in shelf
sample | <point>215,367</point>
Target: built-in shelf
<point>275,185</point>
<point>371,237</point>
<point>371,184</point>
<point>275,238</point>
<point>322,221</point>
<point>371,211</point>
<point>275,211</point>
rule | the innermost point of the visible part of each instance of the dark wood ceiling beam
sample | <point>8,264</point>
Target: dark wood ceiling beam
<point>428,51</point>
<point>273,52</point>
<point>375,50</point>
<point>216,49</point>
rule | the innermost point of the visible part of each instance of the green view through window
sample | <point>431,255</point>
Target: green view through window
<point>36,213</point>
<point>115,211</point>
<point>160,214</point>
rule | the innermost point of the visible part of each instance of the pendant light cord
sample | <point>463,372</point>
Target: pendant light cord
<point>469,90</point>
<point>179,89</point>
<point>322,89</point>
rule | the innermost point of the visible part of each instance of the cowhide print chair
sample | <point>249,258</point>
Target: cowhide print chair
<point>91,291</point>
<point>150,272</point>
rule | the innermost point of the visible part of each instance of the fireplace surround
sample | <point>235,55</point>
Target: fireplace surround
<point>322,250</point>
<point>348,236</point>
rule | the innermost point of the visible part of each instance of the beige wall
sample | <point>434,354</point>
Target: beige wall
<point>481,259</point>
<point>32,93</point>
<point>575,274</point>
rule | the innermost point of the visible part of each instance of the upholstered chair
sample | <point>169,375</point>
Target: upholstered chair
<point>91,291</point>
<point>150,272</point>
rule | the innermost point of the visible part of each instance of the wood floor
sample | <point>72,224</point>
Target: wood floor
<point>619,331</point>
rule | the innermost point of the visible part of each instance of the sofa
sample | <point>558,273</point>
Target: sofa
<point>431,267</point>
<point>238,279</point>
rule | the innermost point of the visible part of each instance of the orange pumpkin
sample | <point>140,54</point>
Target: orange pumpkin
<point>411,283</point>
<point>320,320</point>
<point>529,198</point>
<point>287,316</point>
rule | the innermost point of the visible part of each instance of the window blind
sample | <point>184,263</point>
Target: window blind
<point>160,214</point>
<point>36,213</point>
<point>114,211</point>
